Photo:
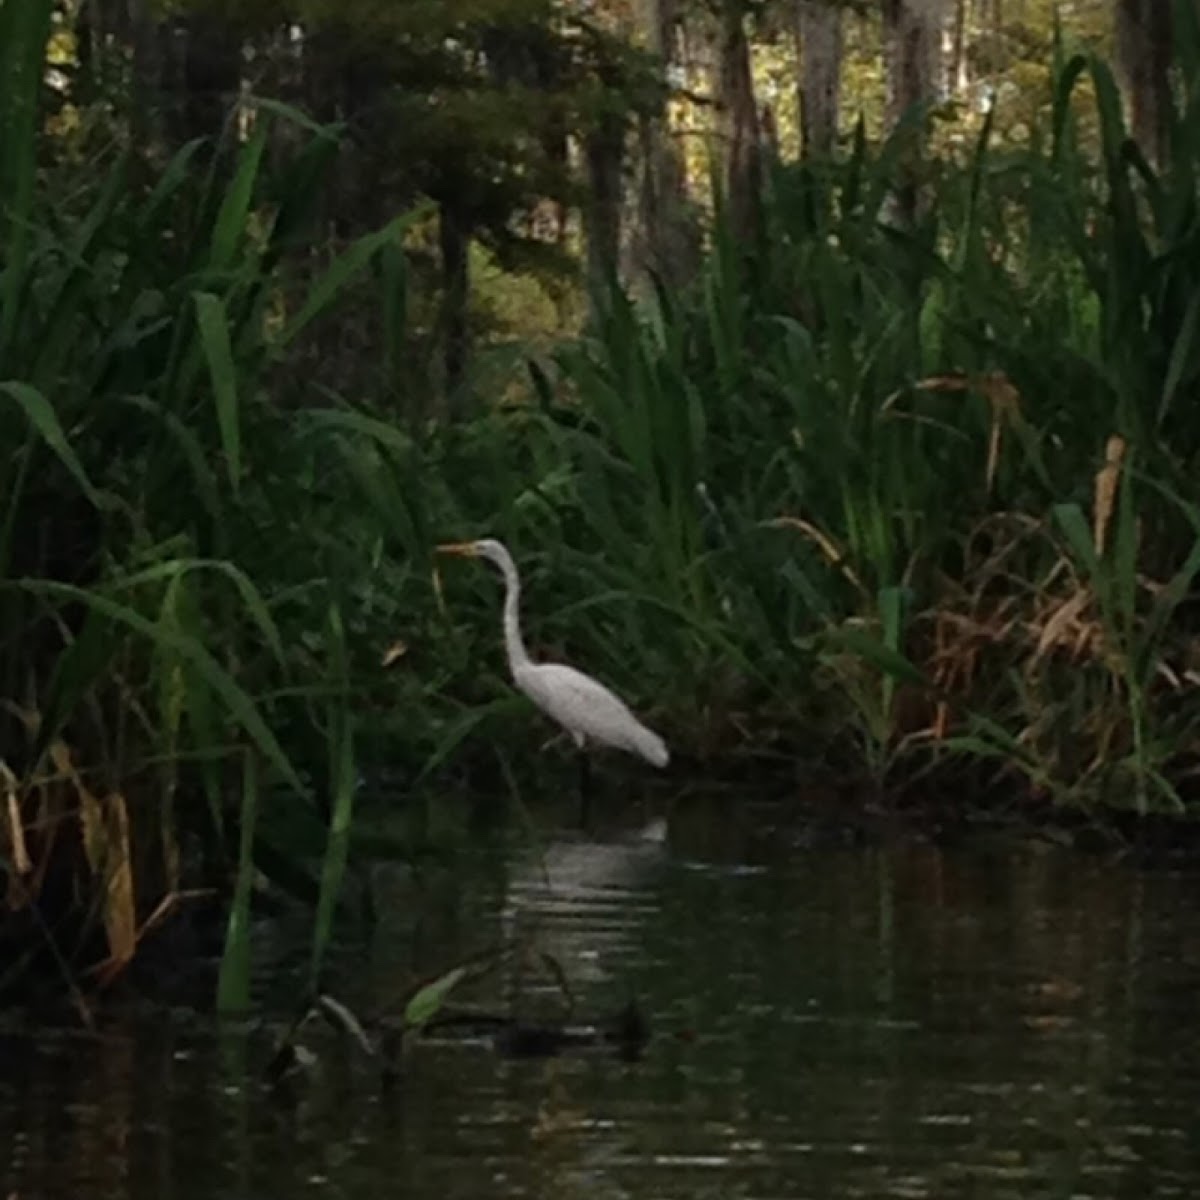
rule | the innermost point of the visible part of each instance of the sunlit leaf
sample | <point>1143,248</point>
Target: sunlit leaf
<point>427,1001</point>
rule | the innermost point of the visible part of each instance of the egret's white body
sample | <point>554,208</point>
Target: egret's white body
<point>584,707</point>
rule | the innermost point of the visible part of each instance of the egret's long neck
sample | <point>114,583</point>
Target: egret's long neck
<point>518,656</point>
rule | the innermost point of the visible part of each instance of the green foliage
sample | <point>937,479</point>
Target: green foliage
<point>170,534</point>
<point>919,415</point>
<point>429,999</point>
<point>831,501</point>
<point>233,984</point>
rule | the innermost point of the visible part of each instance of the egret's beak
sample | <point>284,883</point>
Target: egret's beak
<point>463,549</point>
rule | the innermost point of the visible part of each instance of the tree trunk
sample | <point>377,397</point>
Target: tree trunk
<point>103,33</point>
<point>89,47</point>
<point>605,152</point>
<point>1143,34</point>
<point>454,244</point>
<point>912,38</point>
<point>662,245</point>
<point>819,43</point>
<point>955,50</point>
<point>738,122</point>
<point>149,87</point>
<point>210,76</point>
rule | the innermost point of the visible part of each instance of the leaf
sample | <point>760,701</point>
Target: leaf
<point>340,1017</point>
<point>1064,618</point>
<point>344,268</point>
<point>1183,363</point>
<point>233,981</point>
<point>105,836</point>
<point>359,423</point>
<point>395,285</point>
<point>173,176</point>
<point>1105,491</point>
<point>75,671</point>
<point>461,728</point>
<point>891,610</point>
<point>1071,519</point>
<point>299,118</point>
<point>22,864</point>
<point>342,785</point>
<point>333,867</point>
<point>235,207</point>
<point>189,446</point>
<point>427,1001</point>
<point>218,352</point>
<point>884,658</point>
<point>44,419</point>
<point>1173,594</point>
<point>241,707</point>
<point>120,908</point>
<point>396,651</point>
<point>24,32</point>
<point>66,289</point>
<point>252,598</point>
<point>1125,550</point>
<point>890,602</point>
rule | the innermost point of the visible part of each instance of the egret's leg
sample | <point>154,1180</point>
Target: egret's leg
<point>585,783</point>
<point>585,790</point>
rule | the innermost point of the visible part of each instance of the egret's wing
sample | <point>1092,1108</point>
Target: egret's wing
<point>572,697</point>
<point>585,706</point>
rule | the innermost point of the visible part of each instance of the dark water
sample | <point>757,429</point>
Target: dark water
<point>873,1022</point>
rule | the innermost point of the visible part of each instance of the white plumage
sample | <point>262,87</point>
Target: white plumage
<point>584,707</point>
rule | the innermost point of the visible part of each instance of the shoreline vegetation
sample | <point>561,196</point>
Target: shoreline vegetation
<point>907,508</point>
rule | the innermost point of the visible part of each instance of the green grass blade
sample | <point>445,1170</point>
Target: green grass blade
<point>891,612</point>
<point>359,423</point>
<point>1172,595</point>
<point>1073,523</point>
<point>235,207</point>
<point>345,268</point>
<point>78,669</point>
<point>1061,121</point>
<point>214,337</point>
<point>427,1001</point>
<point>203,479</point>
<point>342,780</point>
<point>1125,550</point>
<point>67,289</point>
<point>394,280</point>
<point>252,598</point>
<point>333,867</point>
<point>233,982</point>
<point>1185,356</point>
<point>297,116</point>
<point>24,34</point>
<point>458,730</point>
<point>169,182</point>
<point>239,704</point>
<point>884,658</point>
<point>43,418</point>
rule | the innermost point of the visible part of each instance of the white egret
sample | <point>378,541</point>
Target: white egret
<point>585,708</point>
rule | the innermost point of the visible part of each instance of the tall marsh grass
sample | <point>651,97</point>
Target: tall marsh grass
<point>916,505</point>
<point>179,557</point>
<point>856,489</point>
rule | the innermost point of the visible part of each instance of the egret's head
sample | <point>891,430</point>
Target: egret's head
<point>488,548</point>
